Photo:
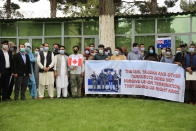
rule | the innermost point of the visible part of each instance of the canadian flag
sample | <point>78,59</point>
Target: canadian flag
<point>74,61</point>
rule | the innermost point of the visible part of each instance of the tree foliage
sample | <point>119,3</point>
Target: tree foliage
<point>185,6</point>
<point>10,10</point>
<point>91,7</point>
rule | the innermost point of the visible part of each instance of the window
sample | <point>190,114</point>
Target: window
<point>72,28</point>
<point>144,26</point>
<point>70,42</point>
<point>123,26</point>
<point>182,39</point>
<point>30,29</point>
<point>122,41</point>
<point>174,25</point>
<point>51,41</point>
<point>53,29</point>
<point>193,24</point>
<point>8,29</point>
<point>91,27</point>
<point>146,40</point>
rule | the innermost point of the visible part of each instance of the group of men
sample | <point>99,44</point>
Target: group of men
<point>39,70</point>
<point>108,80</point>
<point>43,69</point>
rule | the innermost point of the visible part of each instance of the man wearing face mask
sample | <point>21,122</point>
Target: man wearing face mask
<point>180,55</point>
<point>76,67</point>
<point>45,61</point>
<point>108,51</point>
<point>55,49</point>
<point>41,48</point>
<point>36,70</point>
<point>13,50</point>
<point>100,55</point>
<point>135,54</point>
<point>22,72</point>
<point>31,82</point>
<point>87,54</point>
<point>162,53</point>
<point>92,47</point>
<point>190,66</point>
<point>61,72</point>
<point>117,54</point>
<point>6,69</point>
<point>168,57</point>
<point>142,50</point>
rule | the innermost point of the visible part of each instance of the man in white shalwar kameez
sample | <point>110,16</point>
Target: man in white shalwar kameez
<point>61,73</point>
<point>45,61</point>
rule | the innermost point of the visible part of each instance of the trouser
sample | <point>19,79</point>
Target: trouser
<point>94,82</point>
<point>116,84</point>
<point>50,90</point>
<point>103,84</point>
<point>64,92</point>
<point>21,83</point>
<point>10,89</point>
<point>76,84</point>
<point>110,83</point>
<point>4,84</point>
<point>190,91</point>
<point>33,89</point>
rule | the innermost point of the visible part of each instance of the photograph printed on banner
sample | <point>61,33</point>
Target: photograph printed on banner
<point>106,79</point>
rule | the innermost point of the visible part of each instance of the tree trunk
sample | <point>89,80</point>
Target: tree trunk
<point>53,6</point>
<point>153,6</point>
<point>8,8</point>
<point>106,23</point>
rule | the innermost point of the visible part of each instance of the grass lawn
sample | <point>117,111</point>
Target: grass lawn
<point>97,114</point>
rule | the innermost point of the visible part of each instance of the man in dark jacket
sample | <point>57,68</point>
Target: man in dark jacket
<point>6,69</point>
<point>190,64</point>
<point>22,71</point>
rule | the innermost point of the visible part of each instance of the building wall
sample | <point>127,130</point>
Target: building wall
<point>83,32</point>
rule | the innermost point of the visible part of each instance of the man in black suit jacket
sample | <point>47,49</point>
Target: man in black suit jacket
<point>22,71</point>
<point>6,69</point>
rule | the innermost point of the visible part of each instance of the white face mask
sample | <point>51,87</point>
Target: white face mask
<point>142,49</point>
<point>116,53</point>
<point>5,47</point>
<point>178,51</point>
<point>191,49</point>
<point>163,51</point>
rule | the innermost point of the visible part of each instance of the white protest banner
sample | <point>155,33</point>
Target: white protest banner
<point>148,78</point>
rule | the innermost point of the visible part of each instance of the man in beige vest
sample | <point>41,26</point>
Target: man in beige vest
<point>61,73</point>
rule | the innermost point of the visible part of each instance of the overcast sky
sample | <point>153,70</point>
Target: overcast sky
<point>42,8</point>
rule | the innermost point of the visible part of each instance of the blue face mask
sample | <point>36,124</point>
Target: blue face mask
<point>106,53</point>
<point>91,48</point>
<point>62,52</point>
<point>87,52</point>
<point>135,50</point>
<point>46,49</point>
<point>28,49</point>
<point>36,53</point>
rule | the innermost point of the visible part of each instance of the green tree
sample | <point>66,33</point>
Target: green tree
<point>10,10</point>
<point>188,6</point>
